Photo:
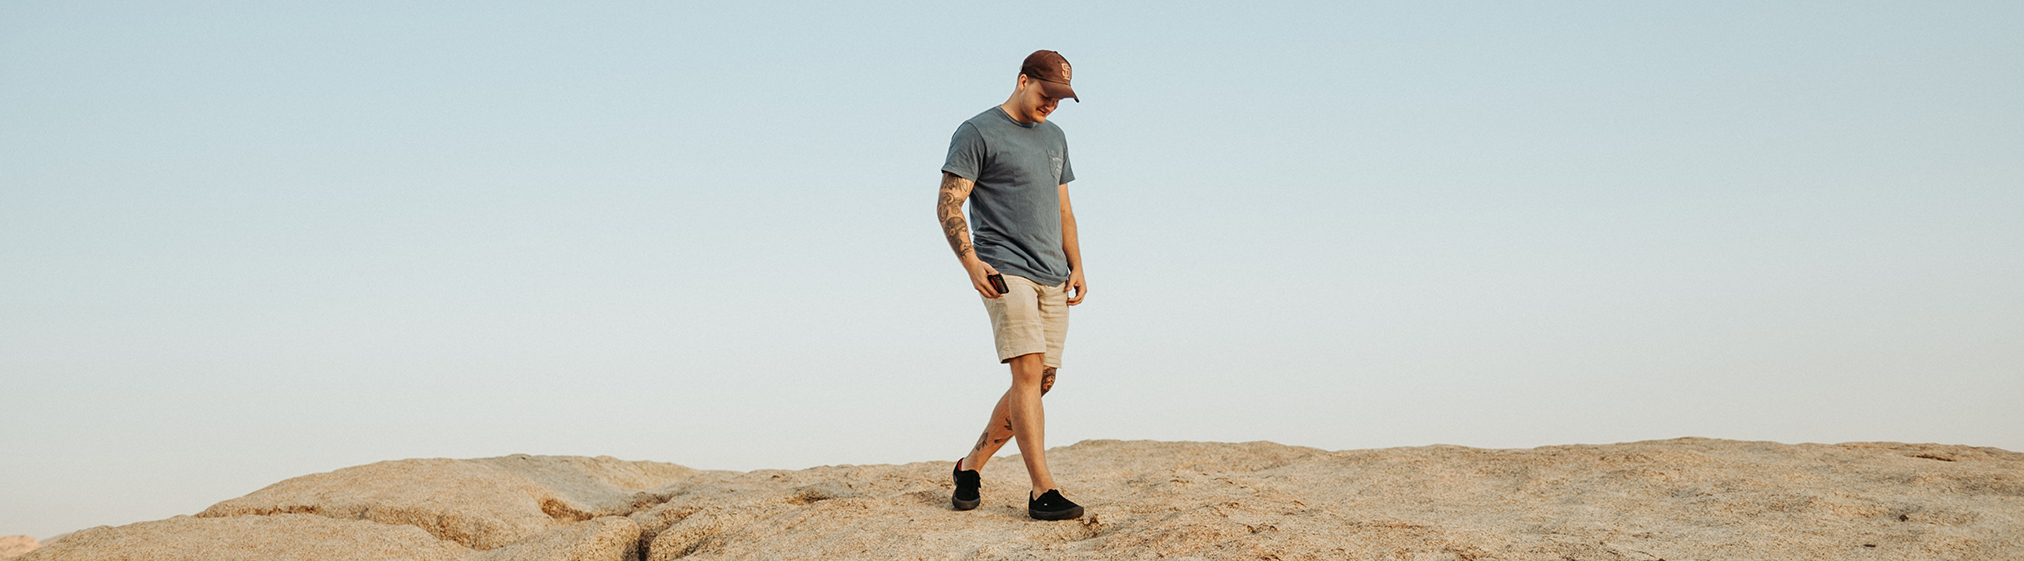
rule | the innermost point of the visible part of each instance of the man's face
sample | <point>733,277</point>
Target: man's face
<point>1034,100</point>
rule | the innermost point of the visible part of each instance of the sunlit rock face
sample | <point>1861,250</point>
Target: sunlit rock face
<point>1680,499</point>
<point>16,546</point>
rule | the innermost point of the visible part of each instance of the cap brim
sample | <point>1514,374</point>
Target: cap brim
<point>1058,90</point>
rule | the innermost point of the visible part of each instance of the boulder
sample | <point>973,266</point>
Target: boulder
<point>16,546</point>
<point>281,537</point>
<point>483,503</point>
<point>610,538</point>
<point>309,537</point>
<point>1679,499</point>
<point>1688,498</point>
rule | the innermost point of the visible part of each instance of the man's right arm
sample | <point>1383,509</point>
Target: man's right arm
<point>949,211</point>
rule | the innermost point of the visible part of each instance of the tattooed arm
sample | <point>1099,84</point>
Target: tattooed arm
<point>949,211</point>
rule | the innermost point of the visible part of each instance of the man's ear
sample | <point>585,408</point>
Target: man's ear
<point>1020,86</point>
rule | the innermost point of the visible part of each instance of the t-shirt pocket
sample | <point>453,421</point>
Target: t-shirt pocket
<point>1054,165</point>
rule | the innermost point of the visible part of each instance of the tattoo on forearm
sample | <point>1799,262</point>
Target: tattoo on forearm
<point>949,208</point>
<point>947,203</point>
<point>953,227</point>
<point>1046,380</point>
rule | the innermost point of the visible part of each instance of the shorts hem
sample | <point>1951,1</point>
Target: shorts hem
<point>1046,359</point>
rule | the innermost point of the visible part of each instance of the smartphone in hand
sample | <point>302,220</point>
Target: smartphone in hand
<point>997,282</point>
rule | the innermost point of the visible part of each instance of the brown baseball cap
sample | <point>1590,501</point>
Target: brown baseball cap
<point>1052,71</point>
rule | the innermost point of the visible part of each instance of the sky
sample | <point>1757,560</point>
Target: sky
<point>242,242</point>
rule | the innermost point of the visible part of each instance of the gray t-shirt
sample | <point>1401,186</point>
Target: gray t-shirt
<point>1015,208</point>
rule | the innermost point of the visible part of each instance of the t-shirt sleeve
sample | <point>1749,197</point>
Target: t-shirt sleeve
<point>1067,170</point>
<point>966,153</point>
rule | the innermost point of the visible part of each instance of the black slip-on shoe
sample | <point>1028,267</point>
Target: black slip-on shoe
<point>1052,506</point>
<point>967,482</point>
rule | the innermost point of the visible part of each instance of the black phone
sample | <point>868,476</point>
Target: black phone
<point>997,282</point>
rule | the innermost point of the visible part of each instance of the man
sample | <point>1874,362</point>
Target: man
<point>1024,262</point>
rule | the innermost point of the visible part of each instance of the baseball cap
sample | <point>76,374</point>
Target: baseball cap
<point>1052,71</point>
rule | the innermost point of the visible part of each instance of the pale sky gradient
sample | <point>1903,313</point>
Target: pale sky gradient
<point>241,242</point>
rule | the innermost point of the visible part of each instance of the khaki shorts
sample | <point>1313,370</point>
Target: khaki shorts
<point>1029,318</point>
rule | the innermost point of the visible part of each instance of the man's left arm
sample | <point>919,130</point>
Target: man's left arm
<point>1077,287</point>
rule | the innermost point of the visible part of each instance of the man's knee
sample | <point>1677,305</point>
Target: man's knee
<point>1028,370</point>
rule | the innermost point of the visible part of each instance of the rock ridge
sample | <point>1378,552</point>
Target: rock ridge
<point>1677,499</point>
<point>16,546</point>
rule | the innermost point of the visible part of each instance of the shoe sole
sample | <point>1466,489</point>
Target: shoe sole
<point>961,504</point>
<point>1069,514</point>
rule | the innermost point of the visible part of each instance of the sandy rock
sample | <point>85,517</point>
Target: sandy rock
<point>308,537</point>
<point>729,496</point>
<point>16,546</point>
<point>281,537</point>
<point>609,538</point>
<point>484,503</point>
<point>711,527</point>
<point>1678,500</point>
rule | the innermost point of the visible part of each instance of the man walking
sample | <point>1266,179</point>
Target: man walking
<point>1024,262</point>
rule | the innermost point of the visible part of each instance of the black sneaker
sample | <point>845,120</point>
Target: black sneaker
<point>967,483</point>
<point>1052,506</point>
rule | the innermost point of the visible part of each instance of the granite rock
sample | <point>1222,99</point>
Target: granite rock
<point>16,546</point>
<point>280,537</point>
<point>483,503</point>
<point>1677,500</point>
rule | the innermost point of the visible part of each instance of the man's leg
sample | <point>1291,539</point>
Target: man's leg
<point>999,429</point>
<point>1029,421</point>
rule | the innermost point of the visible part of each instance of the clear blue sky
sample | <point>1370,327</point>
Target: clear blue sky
<point>241,242</point>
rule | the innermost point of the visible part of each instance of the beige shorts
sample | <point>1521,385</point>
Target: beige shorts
<point>1029,318</point>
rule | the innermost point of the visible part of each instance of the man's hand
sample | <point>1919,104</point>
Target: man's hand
<point>980,276</point>
<point>1077,288</point>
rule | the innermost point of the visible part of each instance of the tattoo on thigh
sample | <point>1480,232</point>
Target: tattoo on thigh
<point>1046,380</point>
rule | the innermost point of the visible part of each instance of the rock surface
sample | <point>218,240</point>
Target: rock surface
<point>483,504</point>
<point>15,546</point>
<point>1681,499</point>
<point>307,537</point>
<point>251,538</point>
